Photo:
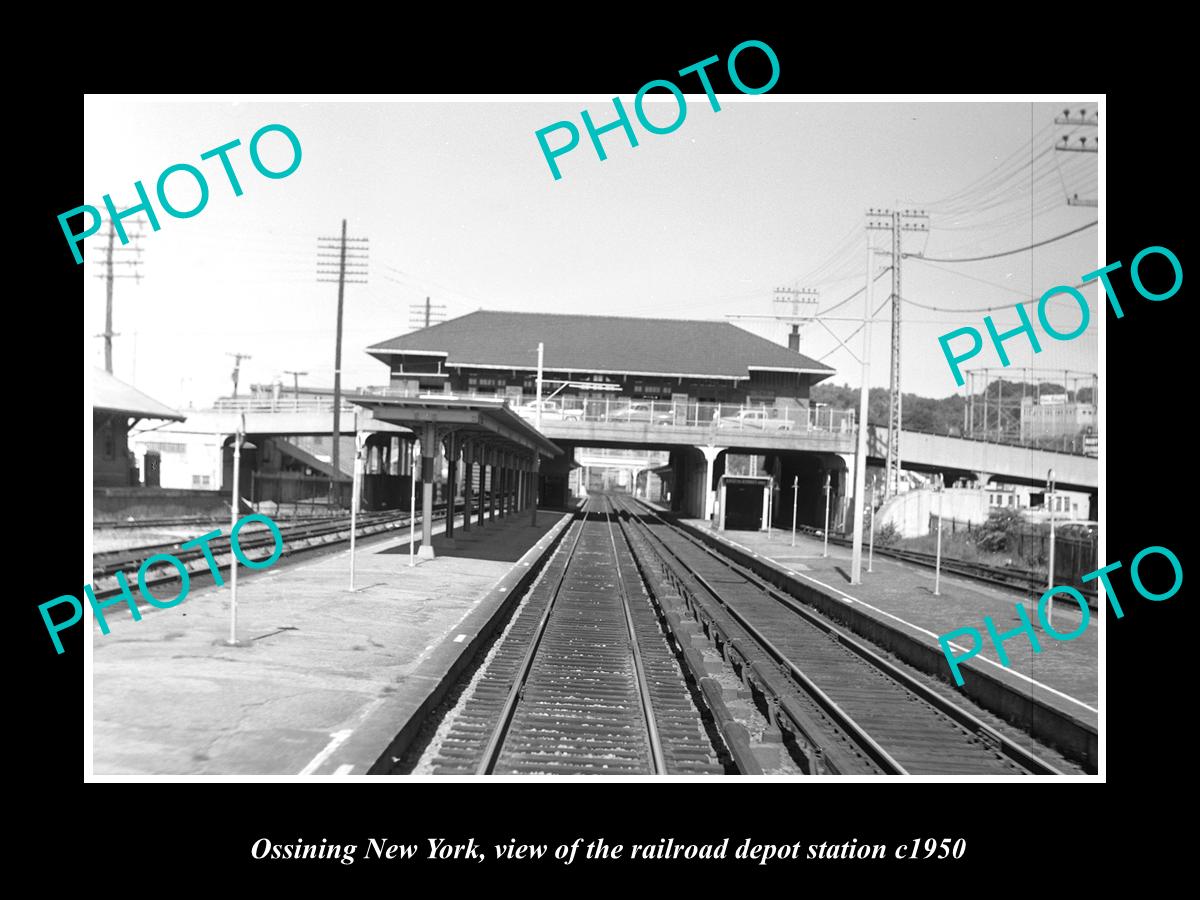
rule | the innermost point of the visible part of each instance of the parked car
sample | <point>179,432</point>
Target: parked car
<point>755,418</point>
<point>641,412</point>
<point>551,412</point>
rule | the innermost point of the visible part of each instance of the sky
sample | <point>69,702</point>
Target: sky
<point>459,205</point>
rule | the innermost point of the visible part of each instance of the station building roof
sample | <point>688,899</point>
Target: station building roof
<point>114,396</point>
<point>621,345</point>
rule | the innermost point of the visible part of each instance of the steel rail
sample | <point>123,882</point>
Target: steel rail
<point>496,740</point>
<point>869,745</point>
<point>656,750</point>
<point>1011,749</point>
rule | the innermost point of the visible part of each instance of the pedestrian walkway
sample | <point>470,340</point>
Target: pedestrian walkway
<point>321,663</point>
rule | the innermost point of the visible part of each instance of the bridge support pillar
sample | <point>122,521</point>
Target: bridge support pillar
<point>710,456</point>
<point>840,513</point>
<point>983,478</point>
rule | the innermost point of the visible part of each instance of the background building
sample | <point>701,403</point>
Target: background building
<point>1052,416</point>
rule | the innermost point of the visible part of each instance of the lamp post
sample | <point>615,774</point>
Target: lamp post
<point>937,571</point>
<point>871,550</point>
<point>1050,562</point>
<point>412,508</point>
<point>537,456</point>
<point>355,494</point>
<point>826,551</point>
<point>234,509</point>
<point>795,489</point>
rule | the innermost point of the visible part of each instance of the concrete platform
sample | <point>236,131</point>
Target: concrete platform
<point>317,687</point>
<point>902,594</point>
<point>1053,694</point>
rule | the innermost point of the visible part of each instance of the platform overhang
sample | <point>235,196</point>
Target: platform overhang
<point>491,421</point>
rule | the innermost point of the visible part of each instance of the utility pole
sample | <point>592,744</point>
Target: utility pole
<point>348,265</point>
<point>537,456</point>
<point>109,275</point>
<point>295,380</point>
<point>897,222</point>
<point>874,223</point>
<point>429,313</point>
<point>237,367</point>
<point>794,307</point>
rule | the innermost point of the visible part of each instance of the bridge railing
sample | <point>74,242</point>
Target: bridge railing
<point>280,404</point>
<point>718,417</point>
<point>606,409</point>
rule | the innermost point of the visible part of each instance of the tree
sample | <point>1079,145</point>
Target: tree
<point>998,534</point>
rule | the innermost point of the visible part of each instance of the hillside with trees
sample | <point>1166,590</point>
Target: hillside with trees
<point>928,414</point>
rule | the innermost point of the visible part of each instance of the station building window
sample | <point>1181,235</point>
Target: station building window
<point>476,382</point>
<point>651,390</point>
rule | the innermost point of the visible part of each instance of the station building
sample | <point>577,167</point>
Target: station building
<point>117,407</point>
<point>121,488</point>
<point>495,353</point>
<point>693,389</point>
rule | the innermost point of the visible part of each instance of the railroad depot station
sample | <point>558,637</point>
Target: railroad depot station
<point>533,494</point>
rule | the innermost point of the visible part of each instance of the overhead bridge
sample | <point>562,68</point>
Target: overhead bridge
<point>986,460</point>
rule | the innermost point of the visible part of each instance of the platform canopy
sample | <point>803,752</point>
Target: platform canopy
<point>486,432</point>
<point>473,419</point>
<point>109,395</point>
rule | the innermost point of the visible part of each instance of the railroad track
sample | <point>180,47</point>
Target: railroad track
<point>583,681</point>
<point>109,563</point>
<point>255,545</point>
<point>845,709</point>
<point>191,521</point>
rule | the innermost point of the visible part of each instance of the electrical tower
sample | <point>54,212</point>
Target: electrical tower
<point>429,313</point>
<point>351,268</point>
<point>110,275</point>
<point>897,222</point>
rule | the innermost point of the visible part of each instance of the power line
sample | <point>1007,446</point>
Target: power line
<point>1057,237</point>
<point>983,308</point>
<point>860,327</point>
<point>995,284</point>
<point>851,297</point>
<point>990,180</point>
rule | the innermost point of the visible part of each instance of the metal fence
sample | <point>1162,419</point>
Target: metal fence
<point>1074,553</point>
<point>290,487</point>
